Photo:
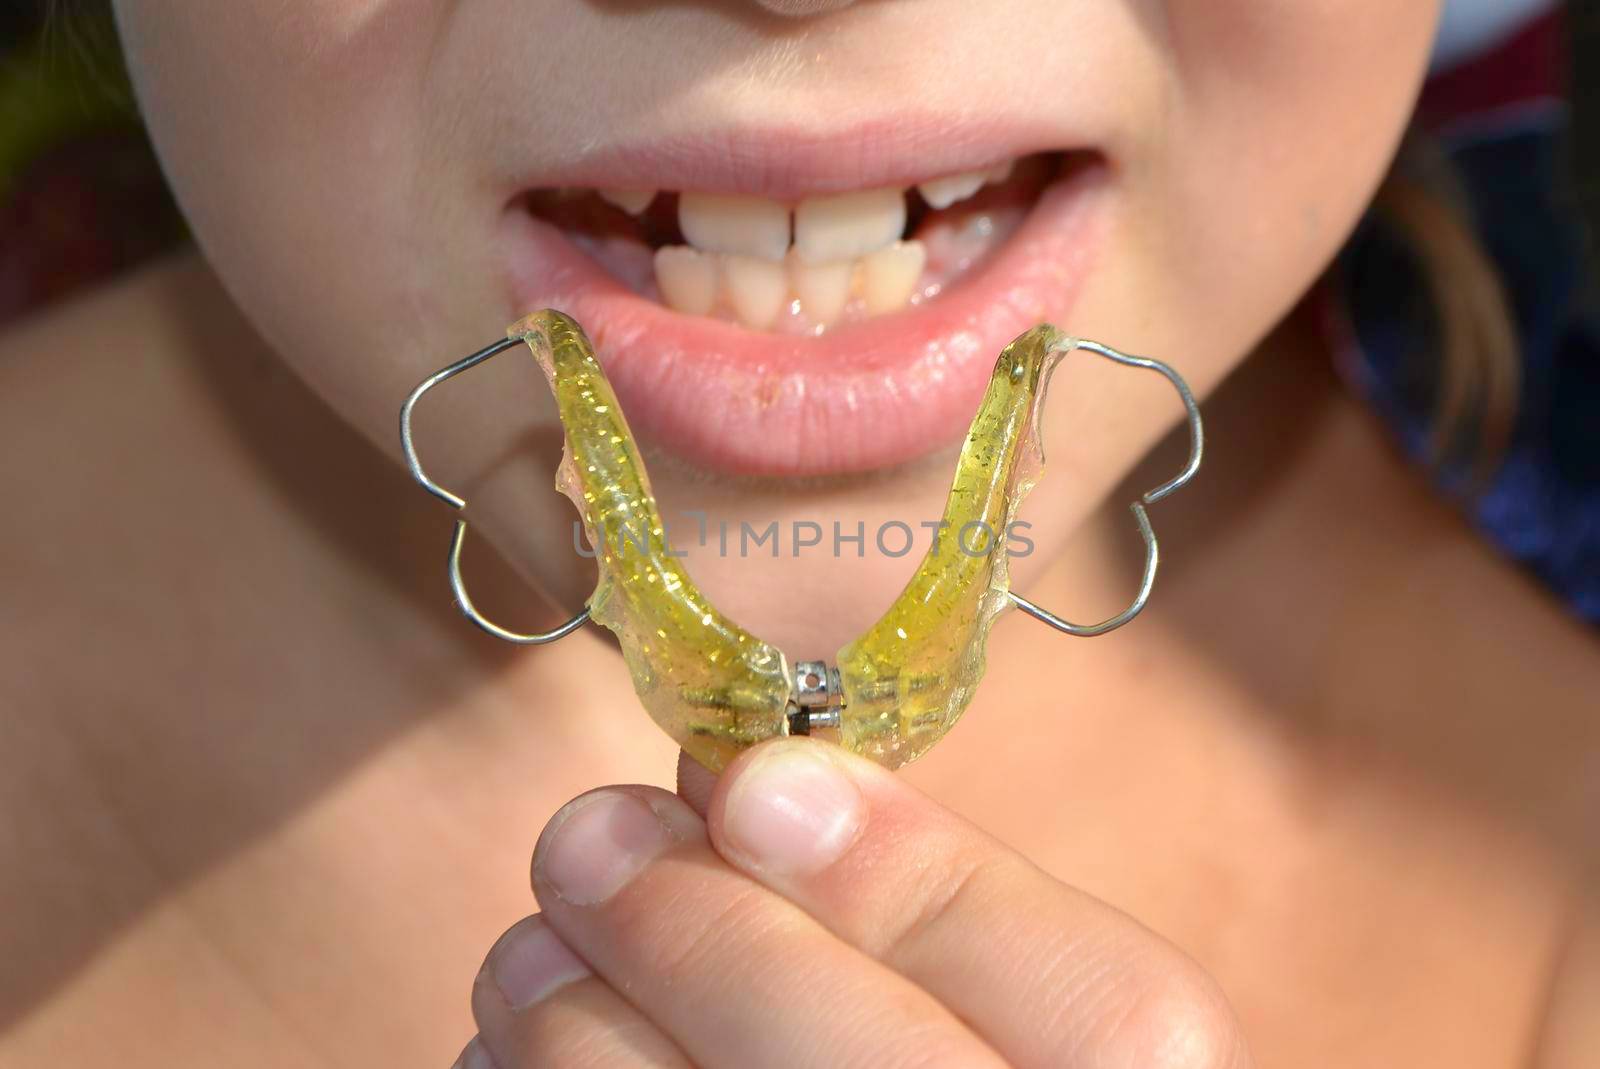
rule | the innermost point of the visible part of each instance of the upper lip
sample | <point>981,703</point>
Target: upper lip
<point>791,163</point>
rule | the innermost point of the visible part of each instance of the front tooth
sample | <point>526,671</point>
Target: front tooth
<point>943,192</point>
<point>889,276</point>
<point>822,289</point>
<point>746,226</point>
<point>755,288</point>
<point>632,201</point>
<point>832,229</point>
<point>687,279</point>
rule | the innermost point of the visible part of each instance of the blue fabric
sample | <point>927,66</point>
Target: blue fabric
<point>1542,507</point>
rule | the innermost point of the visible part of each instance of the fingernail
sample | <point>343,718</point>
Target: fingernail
<point>793,812</point>
<point>529,962</point>
<point>598,843</point>
<point>475,1056</point>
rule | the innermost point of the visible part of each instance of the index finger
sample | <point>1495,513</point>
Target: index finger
<point>1049,975</point>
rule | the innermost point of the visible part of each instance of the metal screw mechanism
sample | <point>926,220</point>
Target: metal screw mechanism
<point>818,697</point>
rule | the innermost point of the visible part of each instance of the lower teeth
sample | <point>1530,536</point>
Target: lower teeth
<point>792,296</point>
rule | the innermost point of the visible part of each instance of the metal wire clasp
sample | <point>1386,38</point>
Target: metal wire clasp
<point>820,707</point>
<point>1152,550</point>
<point>458,585</point>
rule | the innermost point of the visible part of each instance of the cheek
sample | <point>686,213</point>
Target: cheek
<point>263,115</point>
<point>294,138</point>
<point>1281,120</point>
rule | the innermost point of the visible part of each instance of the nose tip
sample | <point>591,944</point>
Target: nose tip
<point>803,8</point>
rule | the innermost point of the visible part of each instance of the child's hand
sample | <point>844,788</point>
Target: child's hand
<point>824,913</point>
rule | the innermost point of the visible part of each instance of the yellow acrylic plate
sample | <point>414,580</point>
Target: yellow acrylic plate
<point>709,683</point>
<point>713,686</point>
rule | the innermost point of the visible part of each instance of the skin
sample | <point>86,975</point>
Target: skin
<point>366,286</point>
<point>1349,828</point>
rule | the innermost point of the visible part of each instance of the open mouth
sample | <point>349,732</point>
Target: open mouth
<point>825,330</point>
<point>799,267</point>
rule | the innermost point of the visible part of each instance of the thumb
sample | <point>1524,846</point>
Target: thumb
<point>695,782</point>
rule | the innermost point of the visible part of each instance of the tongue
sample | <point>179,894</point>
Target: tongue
<point>623,244</point>
<point>628,259</point>
<point>961,235</point>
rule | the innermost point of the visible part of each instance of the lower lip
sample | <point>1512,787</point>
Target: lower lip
<point>871,395</point>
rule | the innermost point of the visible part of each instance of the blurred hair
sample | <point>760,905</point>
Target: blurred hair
<point>1476,366</point>
<point>1475,363</point>
<point>83,35</point>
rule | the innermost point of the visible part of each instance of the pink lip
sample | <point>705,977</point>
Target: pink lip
<point>866,396</point>
<point>791,162</point>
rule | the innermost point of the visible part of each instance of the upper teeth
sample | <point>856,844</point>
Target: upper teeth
<point>843,246</point>
<point>632,201</point>
<point>747,226</point>
<point>830,229</point>
<point>999,172</point>
<point>943,192</point>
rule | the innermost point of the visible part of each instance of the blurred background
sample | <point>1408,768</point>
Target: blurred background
<point>81,194</point>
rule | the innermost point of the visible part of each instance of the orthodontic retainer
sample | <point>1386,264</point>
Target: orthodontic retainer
<point>714,687</point>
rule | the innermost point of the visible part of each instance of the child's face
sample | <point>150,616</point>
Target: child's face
<point>357,172</point>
